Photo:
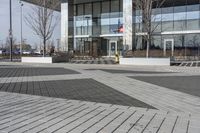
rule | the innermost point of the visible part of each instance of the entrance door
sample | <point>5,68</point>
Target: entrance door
<point>112,48</point>
<point>169,47</point>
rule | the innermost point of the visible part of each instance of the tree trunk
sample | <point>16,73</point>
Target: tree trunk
<point>147,51</point>
<point>148,45</point>
<point>44,49</point>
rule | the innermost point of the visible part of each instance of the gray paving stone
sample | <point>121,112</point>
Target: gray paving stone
<point>79,89</point>
<point>177,111</point>
<point>91,117</point>
<point>33,71</point>
<point>115,71</point>
<point>186,84</point>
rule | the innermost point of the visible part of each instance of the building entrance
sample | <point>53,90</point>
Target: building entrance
<point>112,48</point>
<point>168,47</point>
<point>114,45</point>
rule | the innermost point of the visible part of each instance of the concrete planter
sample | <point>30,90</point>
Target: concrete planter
<point>145,61</point>
<point>37,60</point>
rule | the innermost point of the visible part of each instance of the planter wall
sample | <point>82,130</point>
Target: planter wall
<point>145,61</point>
<point>37,60</point>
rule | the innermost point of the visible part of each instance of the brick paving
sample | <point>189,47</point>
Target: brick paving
<point>34,114</point>
<point>128,71</point>
<point>14,71</point>
<point>190,64</point>
<point>176,111</point>
<point>93,62</point>
<point>187,84</point>
<point>77,89</point>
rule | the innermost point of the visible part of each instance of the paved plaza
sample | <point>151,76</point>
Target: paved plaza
<point>83,98</point>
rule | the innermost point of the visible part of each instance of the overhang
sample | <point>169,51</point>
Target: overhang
<point>168,3</point>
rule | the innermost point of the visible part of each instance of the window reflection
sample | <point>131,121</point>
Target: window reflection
<point>106,18</point>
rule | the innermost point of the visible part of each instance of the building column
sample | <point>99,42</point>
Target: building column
<point>128,24</point>
<point>64,26</point>
<point>67,14</point>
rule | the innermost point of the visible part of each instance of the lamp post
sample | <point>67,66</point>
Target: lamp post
<point>21,23</point>
<point>10,32</point>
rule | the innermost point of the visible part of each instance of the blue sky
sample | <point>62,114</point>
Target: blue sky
<point>27,32</point>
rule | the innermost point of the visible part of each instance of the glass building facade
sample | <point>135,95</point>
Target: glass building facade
<point>96,28</point>
<point>102,28</point>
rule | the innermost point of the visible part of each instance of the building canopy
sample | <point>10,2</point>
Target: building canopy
<point>168,3</point>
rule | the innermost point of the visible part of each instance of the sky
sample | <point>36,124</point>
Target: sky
<point>28,34</point>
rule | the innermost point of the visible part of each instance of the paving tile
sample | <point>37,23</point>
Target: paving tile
<point>33,71</point>
<point>77,89</point>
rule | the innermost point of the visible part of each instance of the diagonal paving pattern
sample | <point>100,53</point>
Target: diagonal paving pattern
<point>157,96</point>
<point>21,113</point>
<point>77,89</point>
<point>177,112</point>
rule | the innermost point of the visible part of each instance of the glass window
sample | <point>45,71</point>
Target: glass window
<point>167,26</point>
<point>121,5</point>
<point>156,11</point>
<point>138,43</point>
<point>179,45</point>
<point>179,25</point>
<point>193,25</point>
<point>156,26</point>
<point>167,14</point>
<point>105,29</point>
<point>88,9</point>
<point>80,10</point>
<point>180,13</point>
<point>105,6</point>
<point>115,6</point>
<point>193,15</point>
<point>96,19</point>
<point>193,8</point>
<point>167,10</point>
<point>178,9</point>
<point>180,16</point>
<point>138,27</point>
<point>179,41</point>
<point>156,42</point>
<point>192,42</point>
<point>96,9</point>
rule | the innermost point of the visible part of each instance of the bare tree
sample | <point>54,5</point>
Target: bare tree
<point>148,19</point>
<point>41,19</point>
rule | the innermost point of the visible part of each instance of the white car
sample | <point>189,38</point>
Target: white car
<point>37,52</point>
<point>26,52</point>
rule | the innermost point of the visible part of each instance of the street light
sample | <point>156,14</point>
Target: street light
<point>10,32</point>
<point>21,22</point>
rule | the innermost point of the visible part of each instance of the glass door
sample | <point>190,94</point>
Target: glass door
<point>168,47</point>
<point>112,48</point>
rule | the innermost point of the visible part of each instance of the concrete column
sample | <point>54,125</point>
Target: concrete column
<point>128,24</point>
<point>64,26</point>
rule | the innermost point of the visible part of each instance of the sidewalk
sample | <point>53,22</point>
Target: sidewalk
<point>24,113</point>
<point>95,98</point>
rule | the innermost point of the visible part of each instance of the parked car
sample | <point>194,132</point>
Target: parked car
<point>26,52</point>
<point>37,52</point>
<point>17,52</point>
